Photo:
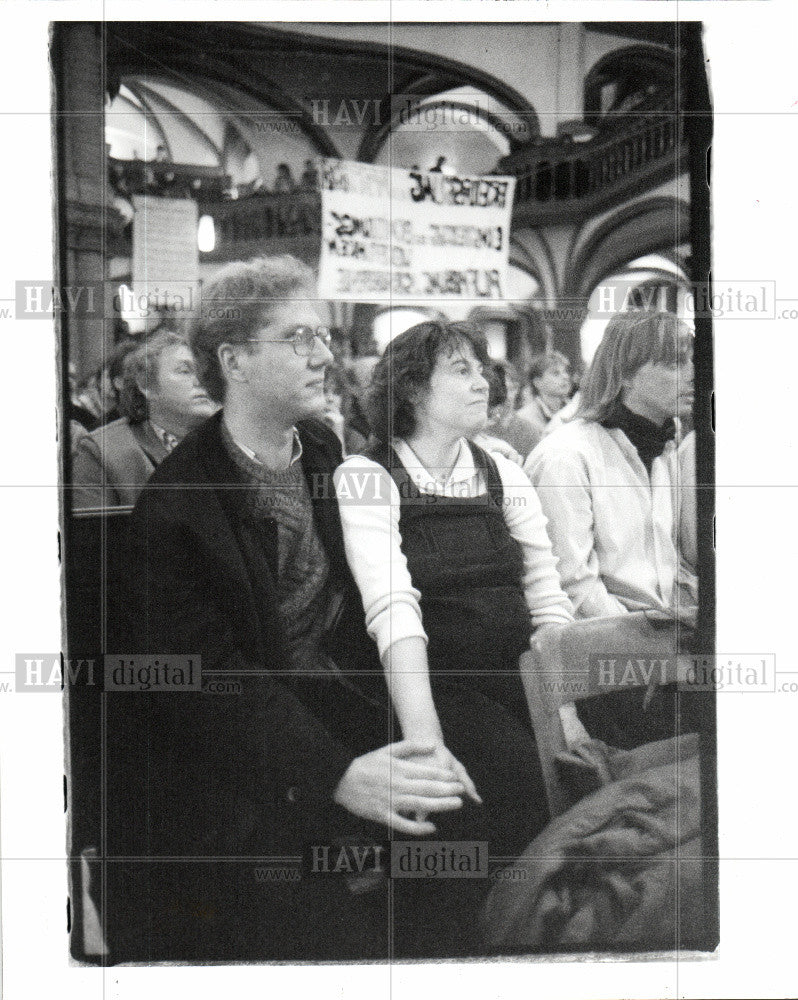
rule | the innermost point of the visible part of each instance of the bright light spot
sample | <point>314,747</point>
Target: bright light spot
<point>206,234</point>
<point>388,325</point>
<point>130,310</point>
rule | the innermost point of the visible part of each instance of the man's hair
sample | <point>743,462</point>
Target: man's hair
<point>141,371</point>
<point>405,369</point>
<point>541,363</point>
<point>236,303</point>
<point>631,340</point>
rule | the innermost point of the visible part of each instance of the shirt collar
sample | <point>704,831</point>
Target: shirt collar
<point>547,413</point>
<point>296,449</point>
<point>463,470</point>
<point>168,440</point>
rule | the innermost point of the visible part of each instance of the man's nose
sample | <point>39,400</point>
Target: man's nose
<point>321,353</point>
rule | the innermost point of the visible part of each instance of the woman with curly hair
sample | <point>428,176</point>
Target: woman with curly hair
<point>451,554</point>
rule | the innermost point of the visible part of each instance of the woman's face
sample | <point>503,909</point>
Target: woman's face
<point>555,383</point>
<point>455,403</point>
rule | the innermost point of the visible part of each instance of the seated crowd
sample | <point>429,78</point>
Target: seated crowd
<point>371,567</point>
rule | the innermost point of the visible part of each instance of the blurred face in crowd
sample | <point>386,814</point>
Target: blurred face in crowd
<point>513,386</point>
<point>333,401</point>
<point>280,383</point>
<point>554,385</point>
<point>177,402</point>
<point>658,391</point>
<point>455,403</point>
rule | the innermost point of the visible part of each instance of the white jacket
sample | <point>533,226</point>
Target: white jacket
<point>613,527</point>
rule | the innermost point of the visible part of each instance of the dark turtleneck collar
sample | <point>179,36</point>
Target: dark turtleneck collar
<point>648,438</point>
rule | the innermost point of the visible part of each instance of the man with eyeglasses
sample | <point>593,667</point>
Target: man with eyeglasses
<point>238,562</point>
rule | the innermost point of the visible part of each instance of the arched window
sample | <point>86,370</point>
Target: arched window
<point>630,81</point>
<point>463,130</point>
<point>655,282</point>
<point>206,125</point>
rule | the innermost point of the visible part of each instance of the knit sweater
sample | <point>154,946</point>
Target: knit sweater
<point>303,567</point>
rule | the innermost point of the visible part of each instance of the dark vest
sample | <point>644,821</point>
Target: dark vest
<point>468,568</point>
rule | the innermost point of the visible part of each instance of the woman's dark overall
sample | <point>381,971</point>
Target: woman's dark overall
<point>468,569</point>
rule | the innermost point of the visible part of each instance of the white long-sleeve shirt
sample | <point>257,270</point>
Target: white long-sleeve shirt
<point>369,504</point>
<point>613,527</point>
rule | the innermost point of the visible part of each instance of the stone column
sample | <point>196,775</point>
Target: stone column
<point>80,128</point>
<point>570,75</point>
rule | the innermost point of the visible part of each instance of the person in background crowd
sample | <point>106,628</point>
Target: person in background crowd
<point>608,479</point>
<point>309,181</point>
<point>569,411</point>
<point>161,400</point>
<point>359,371</point>
<point>504,421</point>
<point>550,382</point>
<point>114,377</point>
<point>513,382</point>
<point>78,413</point>
<point>284,181</point>
<point>96,402</point>
<point>338,397</point>
<point>340,347</point>
<point>94,396</point>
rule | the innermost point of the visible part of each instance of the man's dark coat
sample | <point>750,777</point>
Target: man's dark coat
<point>229,776</point>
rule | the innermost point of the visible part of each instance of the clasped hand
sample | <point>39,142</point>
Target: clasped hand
<point>404,780</point>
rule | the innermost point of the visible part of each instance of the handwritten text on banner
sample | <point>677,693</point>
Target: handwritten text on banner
<point>392,234</point>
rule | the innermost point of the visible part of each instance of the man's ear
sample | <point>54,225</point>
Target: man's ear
<point>230,357</point>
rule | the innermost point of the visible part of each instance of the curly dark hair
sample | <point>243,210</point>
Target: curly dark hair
<point>406,368</point>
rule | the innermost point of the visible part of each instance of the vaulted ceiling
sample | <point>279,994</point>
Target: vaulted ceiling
<point>214,92</point>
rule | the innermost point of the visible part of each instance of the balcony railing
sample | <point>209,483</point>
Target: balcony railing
<point>562,176</point>
<point>169,180</point>
<point>558,180</point>
<point>265,216</point>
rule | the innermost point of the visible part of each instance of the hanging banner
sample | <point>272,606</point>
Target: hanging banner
<point>165,254</point>
<point>391,234</point>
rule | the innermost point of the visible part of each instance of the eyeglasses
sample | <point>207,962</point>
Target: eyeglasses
<point>303,339</point>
